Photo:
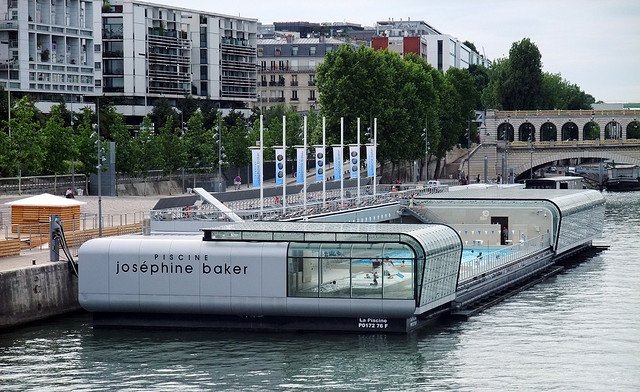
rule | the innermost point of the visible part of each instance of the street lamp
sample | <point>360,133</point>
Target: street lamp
<point>505,153</point>
<point>96,134</point>
<point>425,135</point>
<point>530,157</point>
<point>9,62</point>
<point>221,154</point>
<point>468,151</point>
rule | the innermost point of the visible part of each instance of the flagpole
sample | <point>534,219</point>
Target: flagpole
<point>284,169</point>
<point>358,143</point>
<point>304,181</point>
<point>260,167</point>
<point>375,154</point>
<point>324,168</point>
<point>342,158</point>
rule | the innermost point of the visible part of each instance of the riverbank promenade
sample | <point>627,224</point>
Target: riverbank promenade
<point>112,206</point>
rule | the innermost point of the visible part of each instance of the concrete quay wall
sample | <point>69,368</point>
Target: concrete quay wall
<point>37,292</point>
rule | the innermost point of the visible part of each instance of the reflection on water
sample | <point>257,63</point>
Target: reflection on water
<point>579,330</point>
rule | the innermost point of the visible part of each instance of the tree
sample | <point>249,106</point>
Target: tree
<point>59,142</point>
<point>236,139</point>
<point>200,143</point>
<point>26,147</point>
<point>522,87</point>
<point>162,111</point>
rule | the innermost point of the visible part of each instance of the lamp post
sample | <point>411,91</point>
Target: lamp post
<point>96,128</point>
<point>425,135</point>
<point>9,62</point>
<point>505,137</point>
<point>530,157</point>
<point>221,154</point>
<point>468,151</point>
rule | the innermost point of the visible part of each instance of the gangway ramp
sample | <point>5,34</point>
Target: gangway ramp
<point>218,204</point>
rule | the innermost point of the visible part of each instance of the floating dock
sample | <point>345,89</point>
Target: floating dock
<point>445,253</point>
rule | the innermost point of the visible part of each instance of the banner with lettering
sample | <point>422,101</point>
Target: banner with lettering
<point>371,160</point>
<point>354,160</point>
<point>320,163</point>
<point>256,167</point>
<point>337,163</point>
<point>280,162</point>
<point>301,165</point>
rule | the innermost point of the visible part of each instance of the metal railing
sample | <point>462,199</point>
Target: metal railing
<point>491,259</point>
<point>272,207</point>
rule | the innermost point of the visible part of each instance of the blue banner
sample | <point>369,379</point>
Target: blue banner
<point>301,165</point>
<point>280,162</point>
<point>337,163</point>
<point>320,159</point>
<point>256,167</point>
<point>371,160</point>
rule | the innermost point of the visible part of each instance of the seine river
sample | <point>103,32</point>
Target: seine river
<point>578,331</point>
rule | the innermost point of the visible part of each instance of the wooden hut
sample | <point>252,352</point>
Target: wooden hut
<point>31,214</point>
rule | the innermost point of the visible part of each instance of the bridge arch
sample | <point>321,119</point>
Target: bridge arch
<point>508,128</point>
<point>613,130</point>
<point>536,161</point>
<point>548,132</point>
<point>591,131</point>
<point>633,130</point>
<point>526,132</point>
<point>569,131</point>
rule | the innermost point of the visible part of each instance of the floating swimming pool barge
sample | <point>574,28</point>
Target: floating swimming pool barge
<point>373,277</point>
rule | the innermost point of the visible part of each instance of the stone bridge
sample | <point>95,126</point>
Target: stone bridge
<point>517,141</point>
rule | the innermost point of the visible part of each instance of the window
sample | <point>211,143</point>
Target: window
<point>294,95</point>
<point>277,52</point>
<point>294,80</point>
<point>312,95</point>
<point>260,52</point>
<point>96,48</point>
<point>294,51</point>
<point>97,65</point>
<point>312,51</point>
<point>350,270</point>
<point>312,80</point>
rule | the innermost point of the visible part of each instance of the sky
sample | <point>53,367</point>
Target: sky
<point>594,44</point>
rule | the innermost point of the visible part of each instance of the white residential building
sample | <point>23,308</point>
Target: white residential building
<point>442,51</point>
<point>50,49</point>
<point>154,51</point>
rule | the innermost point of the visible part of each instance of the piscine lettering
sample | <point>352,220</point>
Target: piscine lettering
<point>154,268</point>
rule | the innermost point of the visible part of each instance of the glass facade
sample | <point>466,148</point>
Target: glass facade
<point>350,270</point>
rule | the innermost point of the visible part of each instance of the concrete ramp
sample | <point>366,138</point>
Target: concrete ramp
<point>218,204</point>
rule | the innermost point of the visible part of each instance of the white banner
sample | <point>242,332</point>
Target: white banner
<point>337,163</point>
<point>371,160</point>
<point>301,165</point>
<point>280,162</point>
<point>320,166</point>
<point>256,167</point>
<point>354,160</point>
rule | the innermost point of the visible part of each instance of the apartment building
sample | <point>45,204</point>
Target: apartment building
<point>132,52</point>
<point>50,49</point>
<point>440,50</point>
<point>287,70</point>
<point>153,51</point>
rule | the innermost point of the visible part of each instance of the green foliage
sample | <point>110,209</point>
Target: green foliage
<point>58,142</point>
<point>522,86</point>
<point>26,147</point>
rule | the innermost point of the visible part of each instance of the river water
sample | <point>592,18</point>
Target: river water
<point>577,331</point>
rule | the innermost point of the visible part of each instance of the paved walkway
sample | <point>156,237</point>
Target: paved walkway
<point>111,206</point>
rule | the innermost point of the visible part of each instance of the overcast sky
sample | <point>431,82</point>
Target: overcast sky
<point>592,43</point>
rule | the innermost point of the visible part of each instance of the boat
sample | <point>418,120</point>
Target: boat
<point>623,178</point>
